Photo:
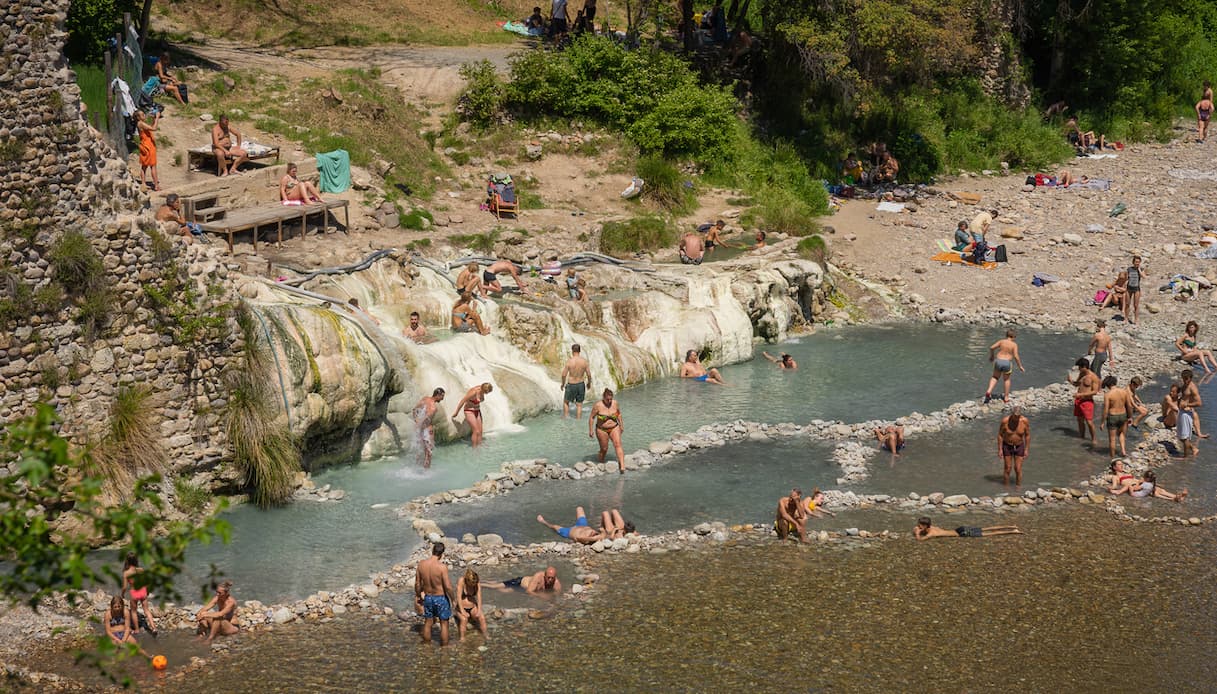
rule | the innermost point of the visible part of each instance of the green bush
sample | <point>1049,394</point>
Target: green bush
<point>631,236</point>
<point>691,120</point>
<point>263,449</point>
<point>482,102</point>
<point>813,248</point>
<point>191,498</point>
<point>665,185</point>
<point>75,263</point>
<point>91,23</point>
<point>414,219</point>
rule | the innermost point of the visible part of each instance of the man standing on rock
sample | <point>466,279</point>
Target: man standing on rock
<point>1083,399</point>
<point>576,379</point>
<point>1135,274</point>
<point>1117,404</point>
<point>424,411</point>
<point>791,516</point>
<point>1013,442</point>
<point>1100,347</point>
<point>1004,355</point>
<point>433,590</point>
<point>692,249</point>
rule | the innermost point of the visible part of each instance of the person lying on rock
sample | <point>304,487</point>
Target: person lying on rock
<point>926,531</point>
<point>1147,486</point>
<point>612,526</point>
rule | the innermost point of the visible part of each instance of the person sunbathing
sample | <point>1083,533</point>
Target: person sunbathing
<point>1146,487</point>
<point>292,189</point>
<point>226,145</point>
<point>1117,293</point>
<point>169,83</point>
<point>925,531</point>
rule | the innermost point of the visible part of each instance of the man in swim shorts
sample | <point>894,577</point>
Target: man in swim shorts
<point>692,249</point>
<point>434,594</point>
<point>423,414</point>
<point>1004,355</point>
<point>542,581</point>
<point>612,526</point>
<point>1013,442</point>
<point>925,531</point>
<point>1117,403</point>
<point>1083,399</point>
<point>891,438</point>
<point>692,368</point>
<point>576,379</point>
<point>791,516</point>
<point>1100,347</point>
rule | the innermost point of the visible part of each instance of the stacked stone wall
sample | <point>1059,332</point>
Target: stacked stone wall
<point>59,177</point>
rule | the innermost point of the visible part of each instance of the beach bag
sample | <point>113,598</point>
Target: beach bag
<point>999,253</point>
<point>1100,296</point>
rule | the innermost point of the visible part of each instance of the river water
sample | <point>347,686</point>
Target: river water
<point>850,374</point>
<point>1080,603</point>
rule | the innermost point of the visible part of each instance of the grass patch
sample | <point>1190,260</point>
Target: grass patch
<point>625,238</point>
<point>665,185</point>
<point>814,248</point>
<point>370,122</point>
<point>418,244</point>
<point>483,243</point>
<point>264,451</point>
<point>130,441</point>
<point>76,264</point>
<point>414,219</point>
<point>11,149</point>
<point>92,82</point>
<point>191,498</point>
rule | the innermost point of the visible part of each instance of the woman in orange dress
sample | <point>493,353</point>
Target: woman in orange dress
<point>147,148</point>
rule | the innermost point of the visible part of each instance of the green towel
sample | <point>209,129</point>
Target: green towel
<point>335,170</point>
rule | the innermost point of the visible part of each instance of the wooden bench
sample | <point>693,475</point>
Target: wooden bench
<point>198,156</point>
<point>250,218</point>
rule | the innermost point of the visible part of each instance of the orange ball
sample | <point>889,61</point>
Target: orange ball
<point>159,662</point>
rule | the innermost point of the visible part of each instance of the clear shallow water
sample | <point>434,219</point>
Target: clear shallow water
<point>737,483</point>
<point>1058,609</point>
<point>850,374</point>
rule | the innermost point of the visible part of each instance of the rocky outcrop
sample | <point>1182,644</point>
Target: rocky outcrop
<point>92,297</point>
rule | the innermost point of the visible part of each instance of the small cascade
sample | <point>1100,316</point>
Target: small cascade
<point>350,379</point>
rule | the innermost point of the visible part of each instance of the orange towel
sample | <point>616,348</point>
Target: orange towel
<point>147,148</point>
<point>953,257</point>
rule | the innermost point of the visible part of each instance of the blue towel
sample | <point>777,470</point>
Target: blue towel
<point>335,170</point>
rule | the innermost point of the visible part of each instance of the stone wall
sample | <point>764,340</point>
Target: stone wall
<point>1001,73</point>
<point>58,177</point>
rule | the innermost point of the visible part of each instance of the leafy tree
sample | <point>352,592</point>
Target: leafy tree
<point>91,23</point>
<point>52,514</point>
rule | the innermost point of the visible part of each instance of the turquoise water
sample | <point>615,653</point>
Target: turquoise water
<point>850,374</point>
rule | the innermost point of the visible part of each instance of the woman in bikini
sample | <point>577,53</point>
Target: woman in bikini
<point>465,318</point>
<point>139,596</point>
<point>1120,478</point>
<point>117,621</point>
<point>1117,293</point>
<point>1147,487</point>
<point>1204,111</point>
<point>292,189</point>
<point>471,405</point>
<point>1189,352</point>
<point>605,425</point>
<point>469,597</point>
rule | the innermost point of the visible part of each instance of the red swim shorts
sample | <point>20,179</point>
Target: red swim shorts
<point>1083,408</point>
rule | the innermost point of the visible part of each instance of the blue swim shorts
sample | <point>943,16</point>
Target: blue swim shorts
<point>703,378</point>
<point>580,522</point>
<point>436,607</point>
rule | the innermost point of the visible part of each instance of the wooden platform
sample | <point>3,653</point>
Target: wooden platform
<point>250,218</point>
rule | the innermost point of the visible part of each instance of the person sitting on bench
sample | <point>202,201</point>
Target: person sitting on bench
<point>226,145</point>
<point>292,188</point>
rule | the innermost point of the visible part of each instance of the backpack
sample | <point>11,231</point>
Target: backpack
<point>999,253</point>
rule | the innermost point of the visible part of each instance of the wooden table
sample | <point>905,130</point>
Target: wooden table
<point>275,213</point>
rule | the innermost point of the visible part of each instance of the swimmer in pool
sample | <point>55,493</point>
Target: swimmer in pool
<point>891,438</point>
<point>541,582</point>
<point>692,368</point>
<point>926,531</point>
<point>1004,355</point>
<point>784,362</point>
